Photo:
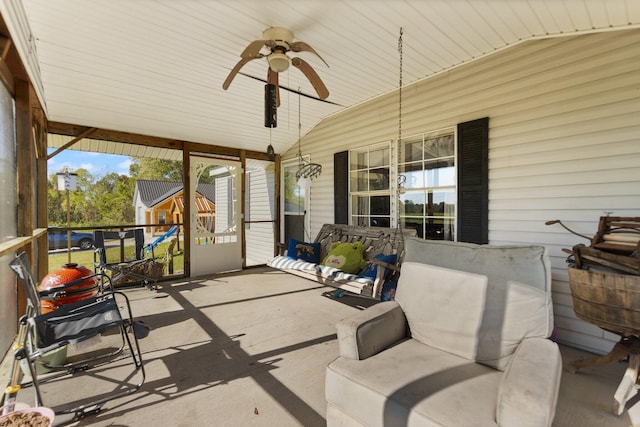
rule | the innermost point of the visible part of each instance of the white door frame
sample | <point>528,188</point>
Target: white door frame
<point>294,163</point>
<point>220,250</point>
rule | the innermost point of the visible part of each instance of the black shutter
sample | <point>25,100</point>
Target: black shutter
<point>341,187</point>
<point>473,181</point>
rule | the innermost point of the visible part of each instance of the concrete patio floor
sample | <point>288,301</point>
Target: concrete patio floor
<point>250,349</point>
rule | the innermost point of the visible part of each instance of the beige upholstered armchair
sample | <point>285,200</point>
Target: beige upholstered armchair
<point>465,343</point>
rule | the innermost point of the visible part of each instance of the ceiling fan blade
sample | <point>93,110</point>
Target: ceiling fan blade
<point>253,50</point>
<point>233,72</point>
<point>303,47</point>
<point>272,78</point>
<point>313,77</point>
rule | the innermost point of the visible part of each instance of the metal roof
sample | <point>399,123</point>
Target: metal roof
<point>152,192</point>
<point>157,67</point>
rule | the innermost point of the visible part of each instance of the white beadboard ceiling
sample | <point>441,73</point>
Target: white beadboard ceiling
<point>156,67</point>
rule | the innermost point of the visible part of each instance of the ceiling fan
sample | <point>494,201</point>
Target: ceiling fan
<point>279,41</point>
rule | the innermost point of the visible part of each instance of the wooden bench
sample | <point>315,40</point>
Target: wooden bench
<point>375,240</point>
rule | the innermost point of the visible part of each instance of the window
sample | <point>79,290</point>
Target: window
<point>444,191</point>
<point>369,172</point>
<point>428,199</point>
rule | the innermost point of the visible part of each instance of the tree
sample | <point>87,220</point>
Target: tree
<point>163,170</point>
<point>104,201</point>
<point>156,169</point>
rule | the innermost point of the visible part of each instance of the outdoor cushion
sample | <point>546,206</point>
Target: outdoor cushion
<point>286,263</point>
<point>516,274</point>
<point>439,389</point>
<point>309,252</point>
<point>464,314</point>
<point>371,269</point>
<point>336,274</point>
<point>444,308</point>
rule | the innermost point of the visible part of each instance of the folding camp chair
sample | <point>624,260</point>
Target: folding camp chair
<point>138,269</point>
<point>77,327</point>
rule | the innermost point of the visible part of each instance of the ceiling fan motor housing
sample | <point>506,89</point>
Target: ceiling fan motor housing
<point>280,42</point>
<point>281,36</point>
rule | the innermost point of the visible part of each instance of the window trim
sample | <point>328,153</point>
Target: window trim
<point>390,165</point>
<point>426,189</point>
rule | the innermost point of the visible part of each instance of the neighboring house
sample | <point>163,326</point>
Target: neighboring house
<point>162,202</point>
<point>563,143</point>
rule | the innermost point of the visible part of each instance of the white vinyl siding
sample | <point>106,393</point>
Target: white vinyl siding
<point>563,143</point>
<point>224,204</point>
<point>259,206</point>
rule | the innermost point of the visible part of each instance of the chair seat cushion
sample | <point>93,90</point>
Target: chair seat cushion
<point>339,275</point>
<point>413,384</point>
<point>76,322</point>
<point>286,263</point>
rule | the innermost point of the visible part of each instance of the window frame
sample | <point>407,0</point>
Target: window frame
<point>426,189</point>
<point>365,219</point>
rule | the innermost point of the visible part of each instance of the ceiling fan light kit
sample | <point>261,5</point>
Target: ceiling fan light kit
<point>278,61</point>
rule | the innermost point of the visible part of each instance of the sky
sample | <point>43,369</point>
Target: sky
<point>96,163</point>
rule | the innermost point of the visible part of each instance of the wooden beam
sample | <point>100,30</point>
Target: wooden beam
<point>5,73</point>
<point>13,244</point>
<point>25,177</point>
<point>5,45</point>
<point>24,160</point>
<point>75,140</point>
<point>39,135</point>
<point>58,128</point>
<point>186,216</point>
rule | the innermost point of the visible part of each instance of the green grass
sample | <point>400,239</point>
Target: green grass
<point>85,258</point>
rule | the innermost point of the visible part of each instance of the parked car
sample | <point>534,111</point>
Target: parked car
<point>58,239</point>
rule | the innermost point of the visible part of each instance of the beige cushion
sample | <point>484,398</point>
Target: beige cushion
<point>465,314</point>
<point>500,263</point>
<point>412,384</point>
<point>443,307</point>
<point>521,313</point>
<point>529,388</point>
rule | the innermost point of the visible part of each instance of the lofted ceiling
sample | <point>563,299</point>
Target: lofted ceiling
<point>156,67</point>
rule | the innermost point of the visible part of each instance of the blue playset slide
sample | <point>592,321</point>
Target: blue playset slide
<point>151,246</point>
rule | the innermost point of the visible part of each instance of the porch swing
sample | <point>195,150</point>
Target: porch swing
<point>378,243</point>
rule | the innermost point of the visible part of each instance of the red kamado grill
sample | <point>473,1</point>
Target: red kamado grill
<point>69,274</point>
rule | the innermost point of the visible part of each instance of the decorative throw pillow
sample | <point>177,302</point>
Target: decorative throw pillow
<point>371,270</point>
<point>388,292</point>
<point>309,252</point>
<point>346,257</point>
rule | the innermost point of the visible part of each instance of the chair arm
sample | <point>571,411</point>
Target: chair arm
<point>528,391</point>
<point>372,330</point>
